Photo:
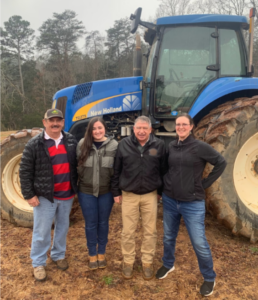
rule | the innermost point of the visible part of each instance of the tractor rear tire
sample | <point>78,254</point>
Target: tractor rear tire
<point>13,206</point>
<point>232,129</point>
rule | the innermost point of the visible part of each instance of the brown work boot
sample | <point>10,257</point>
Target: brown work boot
<point>147,271</point>
<point>102,262</point>
<point>40,273</point>
<point>93,262</point>
<point>62,264</point>
<point>127,271</point>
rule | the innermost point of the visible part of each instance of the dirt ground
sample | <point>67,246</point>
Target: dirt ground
<point>235,260</point>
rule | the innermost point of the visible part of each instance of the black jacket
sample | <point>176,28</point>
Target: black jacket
<point>36,172</point>
<point>136,172</point>
<point>186,162</point>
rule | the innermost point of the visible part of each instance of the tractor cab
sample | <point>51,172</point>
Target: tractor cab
<point>187,54</point>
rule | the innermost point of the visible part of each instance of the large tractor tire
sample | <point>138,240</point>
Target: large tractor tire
<point>13,206</point>
<point>232,129</point>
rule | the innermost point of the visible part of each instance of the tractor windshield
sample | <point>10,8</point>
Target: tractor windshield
<point>184,54</point>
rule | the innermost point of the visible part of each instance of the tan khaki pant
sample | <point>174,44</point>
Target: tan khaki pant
<point>132,204</point>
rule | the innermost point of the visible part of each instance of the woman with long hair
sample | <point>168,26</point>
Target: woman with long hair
<point>183,196</point>
<point>96,153</point>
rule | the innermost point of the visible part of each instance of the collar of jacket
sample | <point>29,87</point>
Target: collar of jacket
<point>104,142</point>
<point>152,139</point>
<point>189,140</point>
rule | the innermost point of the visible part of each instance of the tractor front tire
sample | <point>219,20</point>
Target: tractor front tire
<point>13,206</point>
<point>232,129</point>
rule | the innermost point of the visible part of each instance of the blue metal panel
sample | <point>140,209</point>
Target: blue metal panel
<point>104,97</point>
<point>220,88</point>
<point>191,19</point>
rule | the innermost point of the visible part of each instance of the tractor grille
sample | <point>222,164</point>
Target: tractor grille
<point>61,104</point>
<point>81,91</point>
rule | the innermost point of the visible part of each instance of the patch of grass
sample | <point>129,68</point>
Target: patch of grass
<point>254,250</point>
<point>135,288</point>
<point>108,279</point>
<point>159,289</point>
<point>139,268</point>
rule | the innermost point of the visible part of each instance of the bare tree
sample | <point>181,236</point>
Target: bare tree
<point>94,48</point>
<point>172,8</point>
<point>202,6</point>
<point>229,7</point>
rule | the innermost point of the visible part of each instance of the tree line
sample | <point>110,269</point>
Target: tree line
<point>33,69</point>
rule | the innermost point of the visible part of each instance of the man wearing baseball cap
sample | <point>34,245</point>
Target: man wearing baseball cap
<point>48,178</point>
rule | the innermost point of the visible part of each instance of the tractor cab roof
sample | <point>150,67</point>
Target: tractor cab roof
<point>207,18</point>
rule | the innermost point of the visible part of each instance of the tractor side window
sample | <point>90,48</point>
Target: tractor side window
<point>181,73</point>
<point>231,57</point>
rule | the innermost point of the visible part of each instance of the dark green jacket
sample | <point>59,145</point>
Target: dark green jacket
<point>96,172</point>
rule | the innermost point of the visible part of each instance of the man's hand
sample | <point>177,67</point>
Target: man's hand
<point>34,201</point>
<point>118,199</point>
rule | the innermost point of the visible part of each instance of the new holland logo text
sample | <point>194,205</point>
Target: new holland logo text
<point>105,111</point>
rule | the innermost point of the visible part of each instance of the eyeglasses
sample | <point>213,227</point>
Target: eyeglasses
<point>182,125</point>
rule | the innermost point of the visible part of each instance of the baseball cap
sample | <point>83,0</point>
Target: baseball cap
<point>53,113</point>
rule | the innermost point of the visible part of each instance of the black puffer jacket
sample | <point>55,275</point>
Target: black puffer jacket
<point>36,172</point>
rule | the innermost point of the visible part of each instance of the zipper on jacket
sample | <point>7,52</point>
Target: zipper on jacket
<point>69,161</point>
<point>46,150</point>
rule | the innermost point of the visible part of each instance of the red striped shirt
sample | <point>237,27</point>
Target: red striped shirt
<point>61,170</point>
<point>62,186</point>
<point>55,151</point>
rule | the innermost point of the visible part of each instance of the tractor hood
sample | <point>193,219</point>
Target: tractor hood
<point>100,98</point>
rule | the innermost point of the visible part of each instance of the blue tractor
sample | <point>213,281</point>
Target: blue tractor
<point>197,64</point>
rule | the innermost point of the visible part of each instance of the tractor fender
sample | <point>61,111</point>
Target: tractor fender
<point>220,88</point>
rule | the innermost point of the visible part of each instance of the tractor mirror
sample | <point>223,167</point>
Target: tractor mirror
<point>135,19</point>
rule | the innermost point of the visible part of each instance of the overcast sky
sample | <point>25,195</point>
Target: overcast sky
<point>95,14</point>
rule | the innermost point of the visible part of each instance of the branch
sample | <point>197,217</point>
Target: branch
<point>17,90</point>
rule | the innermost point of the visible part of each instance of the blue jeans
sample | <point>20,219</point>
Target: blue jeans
<point>43,216</point>
<point>193,214</point>
<point>96,212</point>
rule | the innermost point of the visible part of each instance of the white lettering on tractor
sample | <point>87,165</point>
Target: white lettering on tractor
<point>105,111</point>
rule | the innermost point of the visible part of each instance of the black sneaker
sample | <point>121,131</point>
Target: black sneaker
<point>163,272</point>
<point>207,288</point>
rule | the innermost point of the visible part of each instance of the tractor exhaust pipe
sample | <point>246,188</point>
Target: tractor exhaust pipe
<point>251,41</point>
<point>137,57</point>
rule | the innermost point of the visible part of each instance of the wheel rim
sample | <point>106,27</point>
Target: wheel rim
<point>246,173</point>
<point>11,184</point>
